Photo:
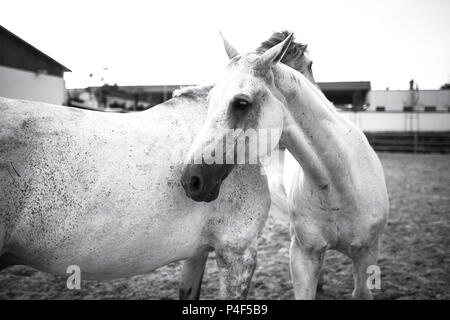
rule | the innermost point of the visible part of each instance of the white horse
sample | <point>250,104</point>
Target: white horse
<point>101,191</point>
<point>339,198</point>
<point>296,58</point>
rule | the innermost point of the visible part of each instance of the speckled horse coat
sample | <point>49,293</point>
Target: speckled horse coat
<point>338,199</point>
<point>101,191</point>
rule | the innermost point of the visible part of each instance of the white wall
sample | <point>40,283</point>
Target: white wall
<point>395,100</point>
<point>399,121</point>
<point>27,85</point>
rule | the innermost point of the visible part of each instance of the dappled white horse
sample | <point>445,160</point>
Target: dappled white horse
<point>101,191</point>
<point>296,58</point>
<point>339,198</point>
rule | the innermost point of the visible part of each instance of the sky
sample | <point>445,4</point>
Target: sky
<point>387,42</point>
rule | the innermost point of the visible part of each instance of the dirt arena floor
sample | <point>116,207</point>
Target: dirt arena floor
<point>415,259</point>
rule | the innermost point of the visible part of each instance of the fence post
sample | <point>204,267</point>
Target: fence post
<point>415,142</point>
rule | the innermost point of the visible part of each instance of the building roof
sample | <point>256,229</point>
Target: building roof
<point>9,34</point>
<point>407,90</point>
<point>128,91</point>
<point>345,86</point>
<point>153,88</point>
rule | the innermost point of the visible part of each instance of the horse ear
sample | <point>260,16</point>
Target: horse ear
<point>276,53</point>
<point>303,48</point>
<point>230,50</point>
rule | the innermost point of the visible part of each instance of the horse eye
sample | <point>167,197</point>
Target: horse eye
<point>240,104</point>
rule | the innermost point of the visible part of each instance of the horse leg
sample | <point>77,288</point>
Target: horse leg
<point>191,276</point>
<point>7,260</point>
<point>320,282</point>
<point>306,263</point>
<point>363,257</point>
<point>236,266</point>
<point>4,261</point>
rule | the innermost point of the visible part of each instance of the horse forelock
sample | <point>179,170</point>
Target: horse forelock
<point>295,50</point>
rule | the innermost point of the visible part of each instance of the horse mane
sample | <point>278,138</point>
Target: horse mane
<point>294,52</point>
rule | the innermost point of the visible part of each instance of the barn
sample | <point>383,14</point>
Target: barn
<point>125,98</point>
<point>28,73</point>
<point>346,94</point>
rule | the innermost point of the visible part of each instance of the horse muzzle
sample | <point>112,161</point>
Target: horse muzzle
<point>202,182</point>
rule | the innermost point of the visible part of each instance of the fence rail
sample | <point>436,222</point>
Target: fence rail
<point>414,142</point>
<point>400,121</point>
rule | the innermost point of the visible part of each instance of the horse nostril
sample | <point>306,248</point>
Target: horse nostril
<point>195,184</point>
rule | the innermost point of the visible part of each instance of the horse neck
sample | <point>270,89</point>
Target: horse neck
<point>313,131</point>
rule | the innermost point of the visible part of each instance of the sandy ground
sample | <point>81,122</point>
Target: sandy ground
<point>415,259</point>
